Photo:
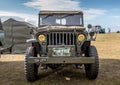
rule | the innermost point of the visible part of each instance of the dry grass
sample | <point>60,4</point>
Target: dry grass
<point>108,45</point>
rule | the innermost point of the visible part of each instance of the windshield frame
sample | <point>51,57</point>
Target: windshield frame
<point>65,15</point>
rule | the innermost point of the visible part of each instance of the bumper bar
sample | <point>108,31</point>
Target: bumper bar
<point>54,60</point>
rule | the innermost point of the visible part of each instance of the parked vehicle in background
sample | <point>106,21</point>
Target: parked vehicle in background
<point>2,37</point>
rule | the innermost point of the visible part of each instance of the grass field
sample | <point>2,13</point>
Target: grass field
<point>108,45</point>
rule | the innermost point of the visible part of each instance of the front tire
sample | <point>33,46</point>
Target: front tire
<point>31,69</point>
<point>92,69</point>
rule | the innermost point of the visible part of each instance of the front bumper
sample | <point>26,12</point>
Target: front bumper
<point>54,60</point>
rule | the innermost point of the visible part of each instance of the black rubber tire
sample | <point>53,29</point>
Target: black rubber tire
<point>31,69</point>
<point>92,69</point>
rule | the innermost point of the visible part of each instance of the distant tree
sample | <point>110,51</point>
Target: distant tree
<point>118,31</point>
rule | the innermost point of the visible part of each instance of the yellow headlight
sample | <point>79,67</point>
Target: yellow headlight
<point>81,37</point>
<point>41,38</point>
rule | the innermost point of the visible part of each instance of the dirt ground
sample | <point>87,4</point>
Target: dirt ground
<point>108,46</point>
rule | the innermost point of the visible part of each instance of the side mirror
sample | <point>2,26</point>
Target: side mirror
<point>89,26</point>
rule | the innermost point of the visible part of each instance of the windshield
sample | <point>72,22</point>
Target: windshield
<point>68,19</point>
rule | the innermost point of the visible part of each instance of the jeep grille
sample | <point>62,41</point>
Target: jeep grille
<point>61,38</point>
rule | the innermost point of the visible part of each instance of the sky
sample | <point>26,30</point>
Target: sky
<point>96,12</point>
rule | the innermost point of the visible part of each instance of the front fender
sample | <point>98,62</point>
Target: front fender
<point>31,40</point>
<point>36,45</point>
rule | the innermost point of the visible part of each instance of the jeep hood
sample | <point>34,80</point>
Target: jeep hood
<point>60,28</point>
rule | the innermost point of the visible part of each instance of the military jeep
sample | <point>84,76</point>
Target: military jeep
<point>61,39</point>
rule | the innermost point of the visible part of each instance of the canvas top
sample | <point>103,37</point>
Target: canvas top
<point>60,12</point>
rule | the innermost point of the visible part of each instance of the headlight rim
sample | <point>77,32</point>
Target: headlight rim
<point>43,36</point>
<point>78,37</point>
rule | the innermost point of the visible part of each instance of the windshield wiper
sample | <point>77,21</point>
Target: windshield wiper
<point>67,15</point>
<point>47,16</point>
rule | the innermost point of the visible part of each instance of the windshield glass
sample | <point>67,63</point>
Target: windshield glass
<point>68,19</point>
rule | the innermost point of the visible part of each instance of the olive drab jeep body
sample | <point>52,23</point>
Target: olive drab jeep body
<point>61,38</point>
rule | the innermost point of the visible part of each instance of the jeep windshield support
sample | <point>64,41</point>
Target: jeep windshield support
<point>61,39</point>
<point>66,19</point>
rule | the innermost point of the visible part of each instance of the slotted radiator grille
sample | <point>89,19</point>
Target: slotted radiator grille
<point>61,38</point>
